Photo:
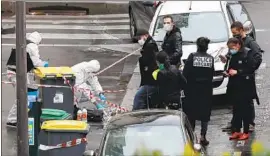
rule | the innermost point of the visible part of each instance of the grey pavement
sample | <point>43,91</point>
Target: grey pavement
<point>221,114</point>
<point>67,52</point>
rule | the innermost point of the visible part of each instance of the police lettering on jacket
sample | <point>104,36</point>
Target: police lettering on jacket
<point>201,61</point>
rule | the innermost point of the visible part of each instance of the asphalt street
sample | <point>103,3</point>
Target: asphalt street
<point>68,40</point>
<point>67,43</point>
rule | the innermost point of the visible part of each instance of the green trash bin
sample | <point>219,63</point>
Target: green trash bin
<point>54,114</point>
<point>63,138</point>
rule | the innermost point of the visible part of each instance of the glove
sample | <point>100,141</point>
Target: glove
<point>46,64</point>
<point>100,106</point>
<point>102,97</point>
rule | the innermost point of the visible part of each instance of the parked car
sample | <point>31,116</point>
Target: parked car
<point>141,14</point>
<point>211,19</point>
<point>168,131</point>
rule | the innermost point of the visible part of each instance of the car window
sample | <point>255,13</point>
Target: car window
<point>238,12</point>
<point>194,25</point>
<point>125,141</point>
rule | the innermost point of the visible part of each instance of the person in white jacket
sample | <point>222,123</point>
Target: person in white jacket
<point>87,80</point>
<point>33,40</point>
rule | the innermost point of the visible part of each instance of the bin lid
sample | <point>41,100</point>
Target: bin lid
<point>54,114</point>
<point>43,72</point>
<point>65,125</point>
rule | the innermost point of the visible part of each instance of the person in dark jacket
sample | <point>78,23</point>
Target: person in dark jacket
<point>241,88</point>
<point>237,30</point>
<point>147,63</point>
<point>170,82</point>
<point>199,72</point>
<point>172,43</point>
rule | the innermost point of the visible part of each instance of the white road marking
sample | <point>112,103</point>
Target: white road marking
<point>261,30</point>
<point>76,27</point>
<point>75,36</point>
<point>78,17</point>
<point>67,21</point>
<point>262,66</point>
<point>81,45</point>
<point>259,77</point>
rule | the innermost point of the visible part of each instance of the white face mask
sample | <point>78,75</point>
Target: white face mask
<point>141,42</point>
<point>168,27</point>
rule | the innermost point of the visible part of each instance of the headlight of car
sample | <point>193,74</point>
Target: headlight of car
<point>221,51</point>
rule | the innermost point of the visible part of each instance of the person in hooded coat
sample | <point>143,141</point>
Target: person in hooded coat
<point>199,72</point>
<point>87,80</point>
<point>33,60</point>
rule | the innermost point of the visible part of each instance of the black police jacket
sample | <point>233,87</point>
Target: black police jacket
<point>172,45</point>
<point>147,62</point>
<point>242,85</point>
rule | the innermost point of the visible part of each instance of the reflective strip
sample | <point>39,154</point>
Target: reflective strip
<point>71,143</point>
<point>155,73</point>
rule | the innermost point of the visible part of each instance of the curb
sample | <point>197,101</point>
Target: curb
<point>132,88</point>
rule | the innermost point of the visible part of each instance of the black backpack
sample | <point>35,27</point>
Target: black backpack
<point>12,60</point>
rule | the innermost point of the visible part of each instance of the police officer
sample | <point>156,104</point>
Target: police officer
<point>199,72</point>
<point>241,88</point>
<point>172,43</point>
<point>147,64</point>
<point>238,31</point>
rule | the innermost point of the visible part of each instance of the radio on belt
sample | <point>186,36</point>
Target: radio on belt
<point>56,97</point>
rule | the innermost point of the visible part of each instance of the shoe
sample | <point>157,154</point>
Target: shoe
<point>244,136</point>
<point>251,128</point>
<point>235,135</point>
<point>9,124</point>
<point>204,142</point>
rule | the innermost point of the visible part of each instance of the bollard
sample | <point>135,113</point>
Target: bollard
<point>34,114</point>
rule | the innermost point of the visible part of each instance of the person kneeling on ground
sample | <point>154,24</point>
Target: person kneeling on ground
<point>87,80</point>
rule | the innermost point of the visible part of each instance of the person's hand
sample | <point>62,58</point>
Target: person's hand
<point>232,72</point>
<point>223,58</point>
<point>46,64</point>
<point>102,97</point>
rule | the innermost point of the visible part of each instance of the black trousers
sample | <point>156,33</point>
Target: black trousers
<point>204,126</point>
<point>252,114</point>
<point>242,115</point>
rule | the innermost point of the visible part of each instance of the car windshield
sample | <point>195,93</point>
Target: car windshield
<point>125,141</point>
<point>195,25</point>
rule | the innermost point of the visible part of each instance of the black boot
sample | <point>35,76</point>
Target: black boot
<point>204,141</point>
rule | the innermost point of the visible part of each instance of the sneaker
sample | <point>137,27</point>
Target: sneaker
<point>244,136</point>
<point>251,128</point>
<point>204,142</point>
<point>235,135</point>
<point>9,124</point>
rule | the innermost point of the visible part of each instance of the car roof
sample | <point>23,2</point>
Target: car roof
<point>147,117</point>
<point>178,7</point>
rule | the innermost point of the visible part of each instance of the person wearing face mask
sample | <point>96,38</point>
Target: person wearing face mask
<point>199,71</point>
<point>147,64</point>
<point>33,60</point>
<point>238,31</point>
<point>241,88</point>
<point>170,82</point>
<point>87,80</point>
<point>172,43</point>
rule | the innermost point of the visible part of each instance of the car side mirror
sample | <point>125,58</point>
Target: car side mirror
<point>148,3</point>
<point>248,26</point>
<point>90,153</point>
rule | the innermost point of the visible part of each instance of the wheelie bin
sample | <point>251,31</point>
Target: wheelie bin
<point>56,97</point>
<point>63,138</point>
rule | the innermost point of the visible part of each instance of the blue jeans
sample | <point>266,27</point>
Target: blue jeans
<point>140,99</point>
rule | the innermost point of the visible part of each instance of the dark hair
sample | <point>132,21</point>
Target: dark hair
<point>202,44</point>
<point>238,25</point>
<point>163,58</point>
<point>235,40</point>
<point>168,16</point>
